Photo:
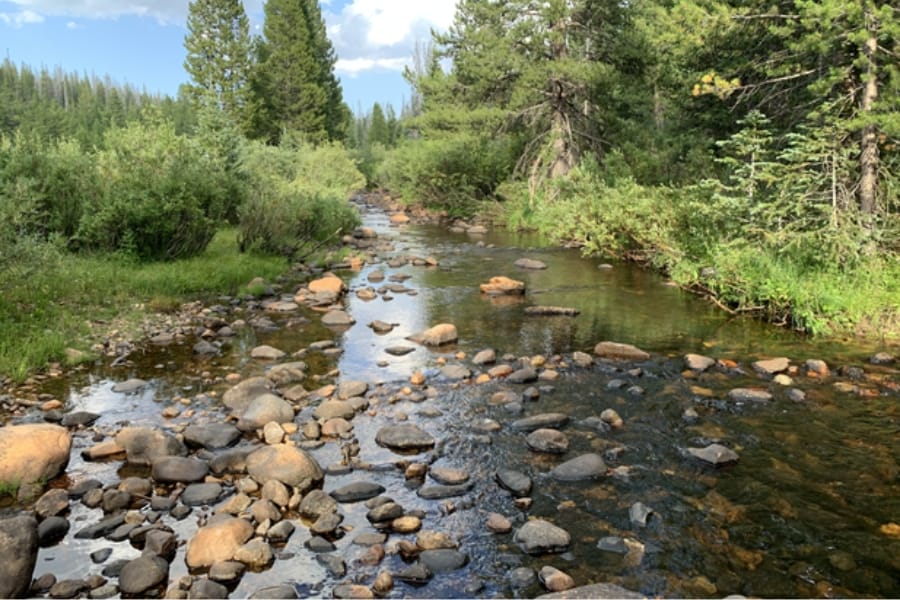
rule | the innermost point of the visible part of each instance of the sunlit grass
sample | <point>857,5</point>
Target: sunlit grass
<point>51,308</point>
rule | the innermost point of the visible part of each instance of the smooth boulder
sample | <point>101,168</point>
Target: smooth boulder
<point>19,549</point>
<point>617,351</point>
<point>217,541</point>
<point>287,464</point>
<point>33,453</point>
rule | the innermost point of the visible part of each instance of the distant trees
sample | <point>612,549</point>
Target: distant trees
<point>294,82</point>
<point>219,56</point>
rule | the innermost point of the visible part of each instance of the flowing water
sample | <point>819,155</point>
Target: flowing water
<point>805,512</point>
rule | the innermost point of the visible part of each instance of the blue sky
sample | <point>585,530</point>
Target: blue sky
<point>141,42</point>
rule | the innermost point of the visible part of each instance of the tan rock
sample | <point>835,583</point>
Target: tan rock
<point>329,283</point>
<point>217,541</point>
<point>617,351</point>
<point>407,524</point>
<point>503,286</point>
<point>497,523</point>
<point>33,453</point>
<point>399,219</point>
<point>555,580</point>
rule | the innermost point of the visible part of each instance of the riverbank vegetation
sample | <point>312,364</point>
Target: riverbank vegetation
<point>112,199</point>
<point>748,151</point>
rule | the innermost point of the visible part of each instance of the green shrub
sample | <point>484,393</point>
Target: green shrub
<point>454,172</point>
<point>162,197</point>
<point>297,197</point>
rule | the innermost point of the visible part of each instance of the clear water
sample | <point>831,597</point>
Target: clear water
<point>800,515</point>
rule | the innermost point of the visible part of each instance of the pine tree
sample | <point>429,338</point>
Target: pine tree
<point>378,127</point>
<point>294,80</point>
<point>218,56</point>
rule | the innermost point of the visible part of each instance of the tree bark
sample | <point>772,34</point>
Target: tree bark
<point>868,155</point>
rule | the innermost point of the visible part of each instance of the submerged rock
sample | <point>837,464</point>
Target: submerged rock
<point>618,351</point>
<point>404,437</point>
<point>715,454</point>
<point>539,536</point>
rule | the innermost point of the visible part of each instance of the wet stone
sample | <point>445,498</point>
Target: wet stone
<point>198,494</point>
<point>449,476</point>
<point>357,491</point>
<point>613,545</point>
<point>101,556</point>
<point>143,574</point>
<point>437,492</point>
<point>280,532</point>
<point>79,418</point>
<point>749,395</point>
<point>404,437</point>
<point>417,574</point>
<point>544,420</point>
<point>205,588</point>
<point>54,502</point>
<point>539,536</point>
<point>586,466</point>
<point>227,571</point>
<point>640,513</point>
<point>385,512</point>
<point>550,441</point>
<point>67,588</point>
<point>443,560</point>
<point>350,590</point>
<point>318,544</point>
<point>526,375</point>
<point>52,530</point>
<point>514,481</point>
<point>283,591</point>
<point>213,436</point>
<point>399,350</point>
<point>333,564</point>
<point>715,454</point>
<point>522,577</point>
<point>177,469</point>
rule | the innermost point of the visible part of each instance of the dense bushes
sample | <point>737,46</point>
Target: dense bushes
<point>296,197</point>
<point>452,173</point>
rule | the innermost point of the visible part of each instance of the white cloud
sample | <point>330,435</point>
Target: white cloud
<point>164,11</point>
<point>355,66</point>
<point>381,34</point>
<point>18,19</point>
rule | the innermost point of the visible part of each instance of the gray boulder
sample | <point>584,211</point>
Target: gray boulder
<point>19,549</point>
<point>144,445</point>
<point>264,409</point>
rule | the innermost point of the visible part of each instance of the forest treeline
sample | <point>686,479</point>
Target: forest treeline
<point>748,150</point>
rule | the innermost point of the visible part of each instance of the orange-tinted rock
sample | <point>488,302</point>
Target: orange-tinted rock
<point>33,453</point>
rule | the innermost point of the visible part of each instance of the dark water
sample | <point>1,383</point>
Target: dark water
<point>800,514</point>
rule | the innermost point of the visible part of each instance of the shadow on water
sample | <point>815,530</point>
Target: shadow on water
<point>800,514</point>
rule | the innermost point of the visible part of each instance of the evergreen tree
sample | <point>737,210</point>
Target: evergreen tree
<point>294,83</point>
<point>378,127</point>
<point>218,55</point>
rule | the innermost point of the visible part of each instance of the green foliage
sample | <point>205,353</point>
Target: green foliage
<point>162,195</point>
<point>453,172</point>
<point>298,197</point>
<point>47,308</point>
<point>218,56</point>
<point>294,83</point>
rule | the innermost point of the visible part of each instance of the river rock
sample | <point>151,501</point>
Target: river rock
<point>265,352</point>
<point>287,373</point>
<point>455,372</point>
<point>551,441</point>
<point>596,591</point>
<point>539,536</point>
<point>51,530</point>
<point>523,375</point>
<point>54,502</point>
<point>399,350</point>
<point>19,549</point>
<point>384,512</point>
<point>206,588</point>
<point>404,438</point>
<point>337,318</point>
<point>143,574</point>
<point>444,333</point>
<point>749,395</point>
<point>544,420</point>
<point>227,571</point>
<point>284,591</point>
<point>287,464</point>
<point>639,513</point>
<point>263,409</point>
<point>771,366</point>
<point>212,436</point>
<point>443,560</point>
<point>256,554</point>
<point>352,590</point>
<point>448,476</point>
<point>317,503</point>
<point>882,358</point>
<point>485,357</point>
<point>334,409</point>
<point>357,491</point>
<point>503,286</point>
<point>698,362</point>
<point>514,481</point>
<point>177,469</point>
<point>819,367</point>
<point>497,523</point>
<point>199,494</point>
<point>144,445</point>
<point>715,454</point>
<point>129,386</point>
<point>555,580</point>
<point>79,418</point>
<point>280,532</point>
<point>238,397</point>
<point>617,351</point>
<point>437,492</point>
<point>32,453</point>
<point>67,588</point>
<point>230,461</point>
<point>217,541</point>
<point>530,263</point>
<point>329,283</point>
<point>586,466</point>
<point>582,359</point>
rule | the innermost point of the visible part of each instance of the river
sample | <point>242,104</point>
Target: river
<point>805,511</point>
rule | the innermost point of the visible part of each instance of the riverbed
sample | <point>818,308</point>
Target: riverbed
<point>806,510</point>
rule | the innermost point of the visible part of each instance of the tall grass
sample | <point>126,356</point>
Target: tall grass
<point>52,307</point>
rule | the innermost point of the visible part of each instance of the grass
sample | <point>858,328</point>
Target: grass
<point>66,300</point>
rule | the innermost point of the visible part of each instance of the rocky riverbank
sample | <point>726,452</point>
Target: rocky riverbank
<point>287,478</point>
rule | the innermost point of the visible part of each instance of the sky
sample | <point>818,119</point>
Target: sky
<point>141,42</point>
